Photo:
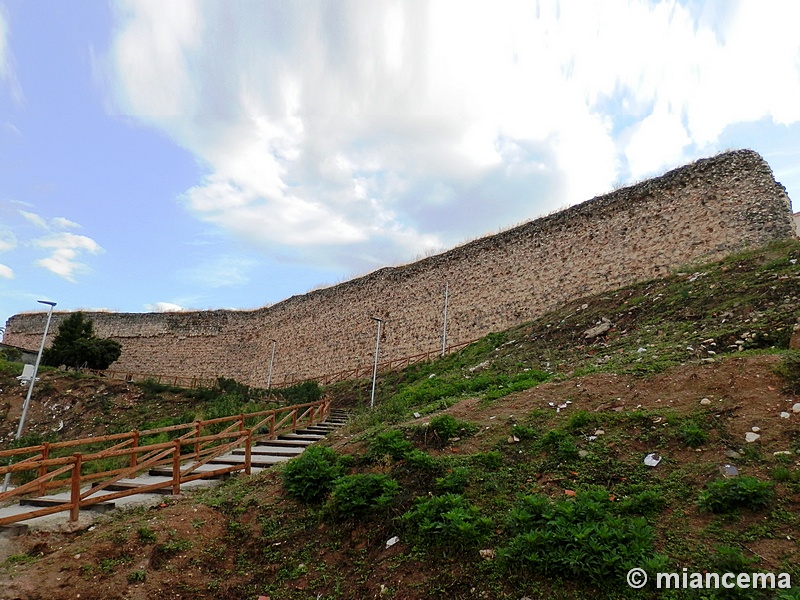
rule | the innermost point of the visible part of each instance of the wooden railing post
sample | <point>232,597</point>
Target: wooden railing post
<point>247,452</point>
<point>176,468</point>
<point>241,423</point>
<point>43,468</point>
<point>272,426</point>
<point>294,419</point>
<point>197,427</point>
<point>134,446</point>
<point>75,488</point>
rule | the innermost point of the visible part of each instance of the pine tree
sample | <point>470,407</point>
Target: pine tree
<point>76,346</point>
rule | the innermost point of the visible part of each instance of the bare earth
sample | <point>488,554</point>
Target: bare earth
<point>82,564</point>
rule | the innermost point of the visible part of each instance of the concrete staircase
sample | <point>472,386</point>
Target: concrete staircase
<point>263,455</point>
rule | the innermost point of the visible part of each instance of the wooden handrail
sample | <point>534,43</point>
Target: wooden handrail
<point>139,458</point>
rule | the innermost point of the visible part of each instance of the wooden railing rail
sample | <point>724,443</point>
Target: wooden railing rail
<point>52,472</point>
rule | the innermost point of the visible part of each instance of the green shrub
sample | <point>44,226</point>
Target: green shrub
<point>389,443</point>
<point>137,576</point>
<point>692,434</point>
<point>418,459</point>
<point>447,427</point>
<point>448,522</point>
<point>581,419</point>
<point>580,539</point>
<point>301,393</point>
<point>727,495</point>
<point>646,502</point>
<point>789,369</point>
<point>146,535</point>
<point>12,354</point>
<point>559,445</point>
<point>310,476</point>
<point>523,432</point>
<point>492,460</point>
<point>225,405</point>
<point>455,481</point>
<point>727,559</point>
<point>355,495</point>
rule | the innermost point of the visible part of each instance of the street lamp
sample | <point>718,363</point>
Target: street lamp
<point>375,367</point>
<point>444,327</point>
<point>271,362</point>
<point>33,380</point>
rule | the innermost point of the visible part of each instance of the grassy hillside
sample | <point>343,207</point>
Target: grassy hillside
<point>515,468</point>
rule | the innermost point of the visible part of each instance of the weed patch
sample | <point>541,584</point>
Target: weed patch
<point>728,495</point>
<point>310,476</point>
<point>448,523</point>
<point>581,539</point>
<point>356,495</point>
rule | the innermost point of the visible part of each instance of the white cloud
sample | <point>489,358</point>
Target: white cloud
<point>364,133</point>
<point>6,272</point>
<point>162,307</point>
<point>8,241</point>
<point>35,220</point>
<point>7,72</point>
<point>65,250</point>
<point>62,223</point>
<point>658,139</point>
<point>4,59</point>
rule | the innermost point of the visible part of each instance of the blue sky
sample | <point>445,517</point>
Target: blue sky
<point>207,154</point>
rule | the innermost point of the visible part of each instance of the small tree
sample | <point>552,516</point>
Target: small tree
<point>76,346</point>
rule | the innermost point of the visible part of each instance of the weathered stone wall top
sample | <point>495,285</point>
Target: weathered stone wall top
<point>702,211</point>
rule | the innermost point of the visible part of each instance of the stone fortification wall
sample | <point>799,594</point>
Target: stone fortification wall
<point>702,211</point>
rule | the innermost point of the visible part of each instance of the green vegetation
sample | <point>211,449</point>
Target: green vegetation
<point>76,346</point>
<point>446,427</point>
<point>727,495</point>
<point>355,495</point>
<point>789,369</point>
<point>311,476</point>
<point>582,539</point>
<point>449,523</point>
<point>530,498</point>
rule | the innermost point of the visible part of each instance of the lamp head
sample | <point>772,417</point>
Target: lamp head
<point>50,304</point>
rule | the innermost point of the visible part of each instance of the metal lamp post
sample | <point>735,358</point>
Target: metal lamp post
<point>33,380</point>
<point>271,363</point>
<point>375,366</point>
<point>444,327</point>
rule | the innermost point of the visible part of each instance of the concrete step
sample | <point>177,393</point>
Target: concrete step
<point>285,443</point>
<point>56,499</point>
<point>314,430</point>
<point>206,468</point>
<point>310,437</point>
<point>258,460</point>
<point>144,480</point>
<point>268,450</point>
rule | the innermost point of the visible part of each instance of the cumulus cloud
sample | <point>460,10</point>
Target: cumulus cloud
<point>7,72</point>
<point>34,220</point>
<point>8,241</point>
<point>65,250</point>
<point>364,133</point>
<point>162,307</point>
<point>6,272</point>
